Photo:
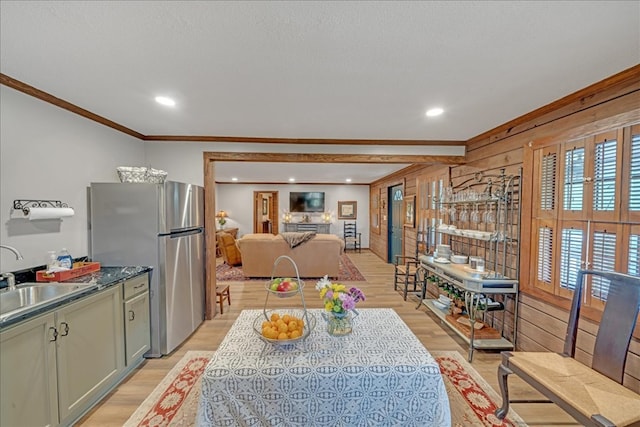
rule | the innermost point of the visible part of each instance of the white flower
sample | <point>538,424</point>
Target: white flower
<point>323,282</point>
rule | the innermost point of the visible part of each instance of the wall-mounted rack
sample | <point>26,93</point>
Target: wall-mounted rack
<point>26,205</point>
<point>40,209</point>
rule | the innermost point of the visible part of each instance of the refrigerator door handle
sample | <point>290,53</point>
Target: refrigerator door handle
<point>182,233</point>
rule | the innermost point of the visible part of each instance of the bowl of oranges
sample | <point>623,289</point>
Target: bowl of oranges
<point>283,326</point>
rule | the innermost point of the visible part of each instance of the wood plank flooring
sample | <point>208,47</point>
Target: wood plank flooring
<point>116,408</point>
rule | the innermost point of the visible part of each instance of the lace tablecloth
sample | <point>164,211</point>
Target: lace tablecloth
<point>380,375</point>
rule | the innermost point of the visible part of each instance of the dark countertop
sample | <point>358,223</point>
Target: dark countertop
<point>110,275</point>
<point>103,279</point>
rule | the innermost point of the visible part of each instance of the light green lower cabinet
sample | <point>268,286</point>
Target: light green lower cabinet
<point>90,351</point>
<point>137,328</point>
<point>56,366</point>
<point>28,385</point>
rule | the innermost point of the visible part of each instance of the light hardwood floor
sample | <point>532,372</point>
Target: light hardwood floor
<point>116,408</point>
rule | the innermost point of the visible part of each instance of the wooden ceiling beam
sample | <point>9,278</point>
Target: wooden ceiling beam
<point>323,141</point>
<point>333,158</point>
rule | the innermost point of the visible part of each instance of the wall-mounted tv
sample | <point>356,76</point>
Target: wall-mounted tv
<point>310,201</point>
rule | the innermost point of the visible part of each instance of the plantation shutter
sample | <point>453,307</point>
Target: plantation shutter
<point>545,255</point>
<point>570,257</point>
<point>634,177</point>
<point>633,267</point>
<point>604,179</point>
<point>573,191</point>
<point>603,258</point>
<point>548,182</point>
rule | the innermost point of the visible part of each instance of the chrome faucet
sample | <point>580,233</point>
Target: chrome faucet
<point>11,280</point>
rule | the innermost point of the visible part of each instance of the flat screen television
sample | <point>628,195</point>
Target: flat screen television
<point>309,201</point>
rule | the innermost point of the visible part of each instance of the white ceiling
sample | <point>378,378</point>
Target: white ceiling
<point>327,69</point>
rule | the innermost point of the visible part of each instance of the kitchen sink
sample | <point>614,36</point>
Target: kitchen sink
<point>31,296</point>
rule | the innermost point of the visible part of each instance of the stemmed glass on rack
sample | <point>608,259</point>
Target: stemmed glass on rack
<point>489,216</point>
<point>475,215</point>
<point>464,215</point>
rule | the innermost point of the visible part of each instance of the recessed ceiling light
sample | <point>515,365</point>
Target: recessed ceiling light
<point>348,179</point>
<point>434,112</point>
<point>234,179</point>
<point>165,101</point>
<point>292,180</point>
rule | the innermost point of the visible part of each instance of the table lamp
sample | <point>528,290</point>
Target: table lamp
<point>222,218</point>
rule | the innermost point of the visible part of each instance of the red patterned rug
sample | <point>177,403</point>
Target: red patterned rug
<point>174,402</point>
<point>348,272</point>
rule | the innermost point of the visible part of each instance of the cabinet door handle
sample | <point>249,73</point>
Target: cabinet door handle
<point>66,329</point>
<point>142,285</point>
<point>132,315</point>
<point>54,334</point>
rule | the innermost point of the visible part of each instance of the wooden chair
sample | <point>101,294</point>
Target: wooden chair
<point>223,293</point>
<point>352,239</point>
<point>407,269</point>
<point>594,395</point>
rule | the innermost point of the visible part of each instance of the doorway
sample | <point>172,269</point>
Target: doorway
<point>265,212</point>
<point>396,228</point>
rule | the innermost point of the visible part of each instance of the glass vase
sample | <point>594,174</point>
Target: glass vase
<point>339,324</point>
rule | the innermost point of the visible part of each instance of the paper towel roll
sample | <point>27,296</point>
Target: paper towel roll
<point>49,213</point>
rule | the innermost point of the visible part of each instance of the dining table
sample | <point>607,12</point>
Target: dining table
<point>378,375</point>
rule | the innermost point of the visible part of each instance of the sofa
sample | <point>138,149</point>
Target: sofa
<point>316,257</point>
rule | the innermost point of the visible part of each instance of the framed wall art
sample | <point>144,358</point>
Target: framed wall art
<point>410,211</point>
<point>347,210</point>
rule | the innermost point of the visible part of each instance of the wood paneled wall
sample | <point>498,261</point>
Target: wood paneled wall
<point>614,101</point>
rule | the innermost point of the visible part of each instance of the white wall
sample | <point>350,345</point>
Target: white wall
<point>50,153</point>
<point>237,201</point>
<point>184,162</point>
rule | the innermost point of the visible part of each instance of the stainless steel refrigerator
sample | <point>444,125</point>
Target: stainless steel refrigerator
<point>162,226</point>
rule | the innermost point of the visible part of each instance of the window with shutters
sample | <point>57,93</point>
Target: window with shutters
<point>586,212</point>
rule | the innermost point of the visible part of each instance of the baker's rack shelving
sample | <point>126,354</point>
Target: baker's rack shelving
<point>490,229</point>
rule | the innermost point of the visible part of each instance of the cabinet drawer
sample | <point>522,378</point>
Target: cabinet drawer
<point>135,286</point>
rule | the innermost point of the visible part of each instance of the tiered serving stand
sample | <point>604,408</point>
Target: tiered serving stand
<point>309,321</point>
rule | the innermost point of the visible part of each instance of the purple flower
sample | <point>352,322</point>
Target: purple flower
<point>356,294</point>
<point>348,303</point>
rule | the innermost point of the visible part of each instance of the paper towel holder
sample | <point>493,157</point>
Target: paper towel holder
<point>26,205</point>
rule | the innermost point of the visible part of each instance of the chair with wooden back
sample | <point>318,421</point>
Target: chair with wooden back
<point>352,239</point>
<point>593,395</point>
<point>407,269</point>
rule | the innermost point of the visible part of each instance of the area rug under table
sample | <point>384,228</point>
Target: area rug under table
<point>174,402</point>
<point>348,272</point>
